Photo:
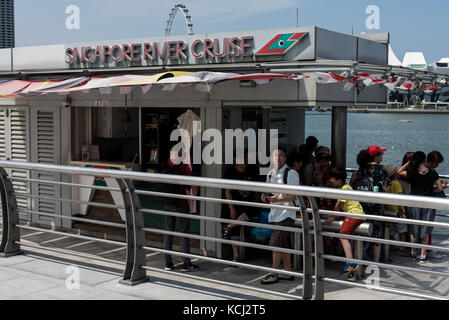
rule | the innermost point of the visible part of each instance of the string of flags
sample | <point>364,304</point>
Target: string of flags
<point>202,80</point>
<point>392,83</point>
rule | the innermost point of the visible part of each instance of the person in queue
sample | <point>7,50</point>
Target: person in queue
<point>424,181</point>
<point>337,179</point>
<point>371,176</point>
<point>434,159</point>
<point>306,150</point>
<point>321,174</point>
<point>396,229</point>
<point>173,166</point>
<point>281,174</point>
<point>240,171</point>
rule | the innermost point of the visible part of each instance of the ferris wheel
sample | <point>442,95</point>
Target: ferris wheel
<point>185,12</point>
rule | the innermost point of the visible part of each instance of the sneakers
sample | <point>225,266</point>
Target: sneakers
<point>169,266</point>
<point>190,267</point>
<point>348,269</point>
<point>413,255</point>
<point>434,255</point>
<point>269,279</point>
<point>422,259</point>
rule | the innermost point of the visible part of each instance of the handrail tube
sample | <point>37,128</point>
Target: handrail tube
<point>221,261</point>
<point>444,176</point>
<point>386,219</point>
<point>384,265</point>
<point>118,243</point>
<point>94,204</point>
<point>387,290</point>
<point>238,243</point>
<point>221,220</point>
<point>328,193</point>
<point>363,229</point>
<point>69,252</point>
<point>69,184</point>
<point>384,241</point>
<point>105,223</point>
<point>238,202</point>
<point>285,295</point>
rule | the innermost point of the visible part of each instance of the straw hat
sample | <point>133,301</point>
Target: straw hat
<point>391,170</point>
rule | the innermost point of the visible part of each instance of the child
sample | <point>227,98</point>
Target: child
<point>338,180</point>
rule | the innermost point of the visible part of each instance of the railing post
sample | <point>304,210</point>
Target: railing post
<point>307,290</point>
<point>297,246</point>
<point>11,234</point>
<point>135,236</point>
<point>319,251</point>
<point>386,247</point>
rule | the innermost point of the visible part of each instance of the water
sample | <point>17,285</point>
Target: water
<point>425,133</point>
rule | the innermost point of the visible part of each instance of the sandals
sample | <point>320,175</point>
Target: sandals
<point>227,233</point>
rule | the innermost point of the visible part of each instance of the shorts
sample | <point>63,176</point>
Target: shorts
<point>349,225</point>
<point>378,226</point>
<point>420,232</point>
<point>396,228</point>
<point>283,239</point>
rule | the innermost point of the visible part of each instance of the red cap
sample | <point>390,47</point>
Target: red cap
<point>373,150</point>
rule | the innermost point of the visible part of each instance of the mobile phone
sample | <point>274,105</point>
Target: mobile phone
<point>268,194</point>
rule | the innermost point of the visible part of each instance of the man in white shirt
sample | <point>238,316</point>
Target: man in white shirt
<point>279,217</point>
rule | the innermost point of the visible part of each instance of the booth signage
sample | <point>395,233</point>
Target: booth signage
<point>179,51</point>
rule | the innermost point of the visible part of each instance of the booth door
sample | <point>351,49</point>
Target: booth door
<point>45,148</point>
<point>14,146</point>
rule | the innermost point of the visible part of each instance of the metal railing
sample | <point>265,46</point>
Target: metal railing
<point>309,231</point>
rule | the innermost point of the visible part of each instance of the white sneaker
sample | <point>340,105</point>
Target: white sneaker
<point>435,255</point>
<point>422,259</point>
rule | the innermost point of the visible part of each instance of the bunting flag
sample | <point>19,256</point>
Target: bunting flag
<point>325,78</point>
<point>297,77</point>
<point>9,88</point>
<point>62,85</point>
<point>405,86</point>
<point>372,81</point>
<point>430,89</point>
<point>31,90</point>
<point>390,86</point>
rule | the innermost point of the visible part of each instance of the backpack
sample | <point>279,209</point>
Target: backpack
<point>366,183</point>
<point>262,235</point>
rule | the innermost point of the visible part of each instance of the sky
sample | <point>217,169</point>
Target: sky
<point>414,25</point>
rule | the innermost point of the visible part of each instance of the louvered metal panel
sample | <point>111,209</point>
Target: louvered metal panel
<point>2,134</point>
<point>45,149</point>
